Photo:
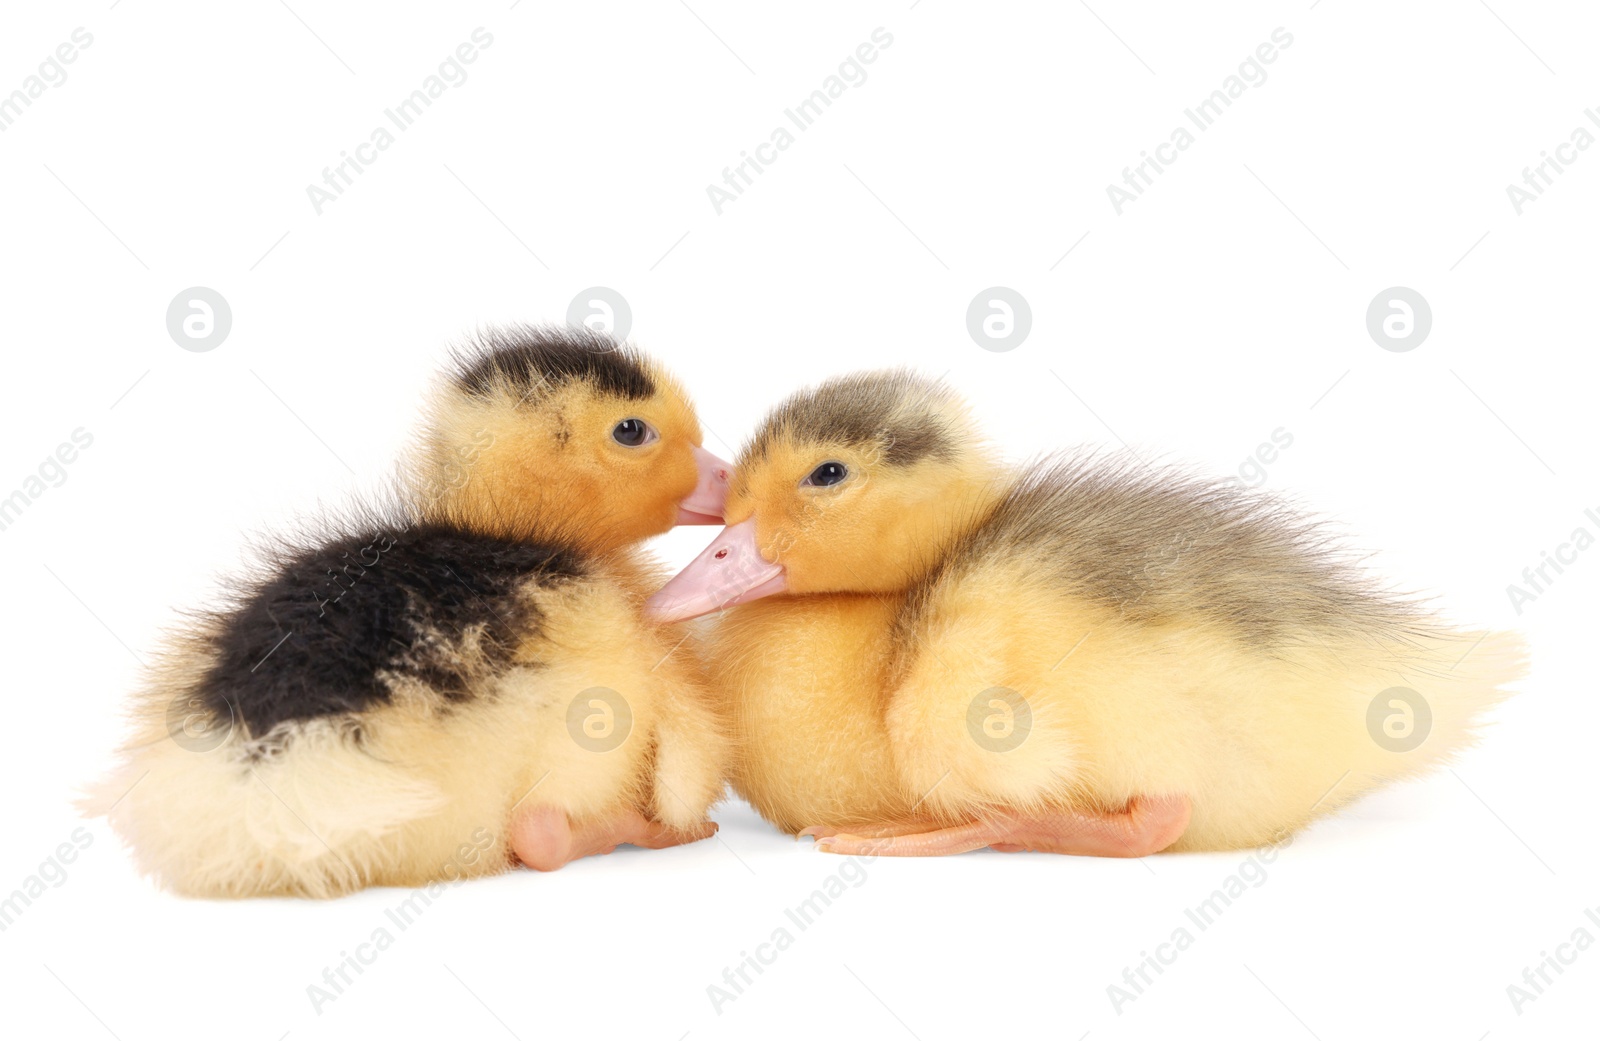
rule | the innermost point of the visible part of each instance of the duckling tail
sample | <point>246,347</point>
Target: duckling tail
<point>216,822</point>
<point>1428,705</point>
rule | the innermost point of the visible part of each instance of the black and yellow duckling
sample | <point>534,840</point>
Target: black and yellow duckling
<point>461,678</point>
<point>937,654</point>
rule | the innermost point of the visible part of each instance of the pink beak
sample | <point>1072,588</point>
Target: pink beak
<point>730,571</point>
<point>704,505</point>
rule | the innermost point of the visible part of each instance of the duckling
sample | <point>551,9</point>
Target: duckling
<point>928,653</point>
<point>455,679</point>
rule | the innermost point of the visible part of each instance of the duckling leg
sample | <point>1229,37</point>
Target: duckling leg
<point>544,839</point>
<point>691,751</point>
<point>1146,826</point>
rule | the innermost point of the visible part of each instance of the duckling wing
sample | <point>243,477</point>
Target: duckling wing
<point>1151,543</point>
<point>361,620</point>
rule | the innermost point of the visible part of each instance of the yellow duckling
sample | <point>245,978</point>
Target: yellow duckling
<point>1087,656</point>
<point>460,679</point>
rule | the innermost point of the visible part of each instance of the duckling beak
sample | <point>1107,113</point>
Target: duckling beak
<point>704,504</point>
<point>730,571</point>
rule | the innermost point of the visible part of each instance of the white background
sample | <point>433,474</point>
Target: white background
<point>1227,302</point>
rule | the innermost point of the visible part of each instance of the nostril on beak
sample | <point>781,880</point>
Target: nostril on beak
<point>720,554</point>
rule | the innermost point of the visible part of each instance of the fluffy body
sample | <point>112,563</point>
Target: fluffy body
<point>1165,635</point>
<point>386,695</point>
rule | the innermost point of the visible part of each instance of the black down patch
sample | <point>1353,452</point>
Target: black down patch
<point>320,634</point>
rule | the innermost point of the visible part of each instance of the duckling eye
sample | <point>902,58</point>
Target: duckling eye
<point>827,474</point>
<point>633,433</point>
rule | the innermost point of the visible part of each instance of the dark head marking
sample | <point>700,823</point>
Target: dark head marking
<point>527,359</point>
<point>900,413</point>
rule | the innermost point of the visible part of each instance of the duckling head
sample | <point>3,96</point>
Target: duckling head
<point>856,485</point>
<point>565,433</point>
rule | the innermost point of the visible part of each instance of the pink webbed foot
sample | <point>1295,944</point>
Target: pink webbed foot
<point>544,839</point>
<point>1148,825</point>
<point>876,830</point>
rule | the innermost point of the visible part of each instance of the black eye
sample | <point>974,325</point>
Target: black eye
<point>633,433</point>
<point>826,474</point>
